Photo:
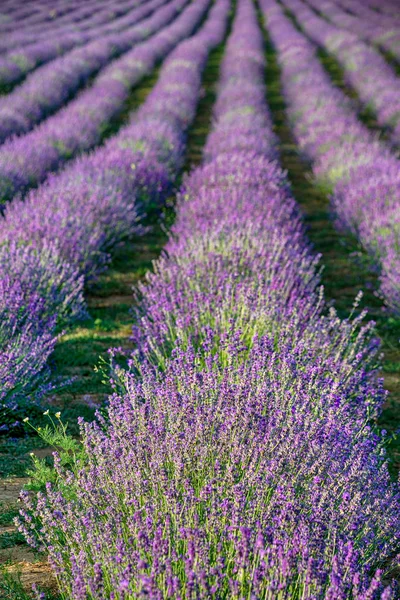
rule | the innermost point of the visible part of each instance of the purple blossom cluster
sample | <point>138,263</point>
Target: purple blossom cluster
<point>365,69</point>
<point>235,460</point>
<point>50,86</point>
<point>95,203</point>
<point>347,158</point>
<point>36,50</point>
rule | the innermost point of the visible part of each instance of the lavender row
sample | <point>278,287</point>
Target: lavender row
<point>365,69</point>
<point>386,7</point>
<point>360,170</point>
<point>230,465</point>
<point>14,65</point>
<point>25,14</point>
<point>27,160</point>
<point>50,86</point>
<point>82,212</point>
<point>41,276</point>
<point>372,18</point>
<point>376,28</point>
<point>379,29</point>
<point>22,20</point>
<point>24,11</point>
<point>100,18</point>
<point>40,294</point>
<point>29,340</point>
<point>74,13</point>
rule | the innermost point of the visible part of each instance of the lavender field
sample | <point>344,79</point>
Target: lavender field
<point>200,299</point>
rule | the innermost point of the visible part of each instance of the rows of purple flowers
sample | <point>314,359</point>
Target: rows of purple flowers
<point>371,19</point>
<point>47,12</point>
<point>75,21</point>
<point>79,214</point>
<point>27,160</point>
<point>386,7</point>
<point>367,12</point>
<point>39,13</point>
<point>347,158</point>
<point>235,460</point>
<point>380,29</point>
<point>50,86</point>
<point>365,69</point>
<point>18,62</point>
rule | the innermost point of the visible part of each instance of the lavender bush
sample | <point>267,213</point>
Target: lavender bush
<point>235,459</point>
<point>40,293</point>
<point>203,484</point>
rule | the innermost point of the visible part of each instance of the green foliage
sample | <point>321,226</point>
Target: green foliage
<point>11,588</point>
<point>70,451</point>
<point>7,515</point>
<point>10,539</point>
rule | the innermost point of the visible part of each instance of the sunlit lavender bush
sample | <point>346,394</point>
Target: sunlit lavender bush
<point>223,481</point>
